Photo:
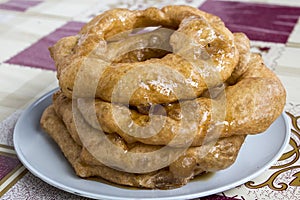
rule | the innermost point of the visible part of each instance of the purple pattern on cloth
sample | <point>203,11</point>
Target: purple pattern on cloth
<point>19,5</point>
<point>217,197</point>
<point>8,163</point>
<point>263,22</point>
<point>37,55</point>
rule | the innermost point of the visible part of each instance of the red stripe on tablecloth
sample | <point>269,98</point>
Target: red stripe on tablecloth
<point>7,164</point>
<point>263,22</point>
<point>37,55</point>
<point>19,5</point>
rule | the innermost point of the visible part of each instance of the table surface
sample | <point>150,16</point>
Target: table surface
<point>28,28</point>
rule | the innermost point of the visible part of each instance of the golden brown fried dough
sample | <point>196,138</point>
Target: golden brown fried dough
<point>156,108</point>
<point>198,33</point>
<point>177,174</point>
<point>251,106</point>
<point>243,45</point>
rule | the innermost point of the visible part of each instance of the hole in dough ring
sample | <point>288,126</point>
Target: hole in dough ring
<point>195,31</point>
<point>252,105</point>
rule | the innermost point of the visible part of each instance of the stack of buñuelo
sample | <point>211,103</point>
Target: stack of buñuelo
<point>152,98</point>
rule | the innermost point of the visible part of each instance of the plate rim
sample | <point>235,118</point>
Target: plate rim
<point>82,193</point>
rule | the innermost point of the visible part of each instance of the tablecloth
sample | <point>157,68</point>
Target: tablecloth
<point>29,27</point>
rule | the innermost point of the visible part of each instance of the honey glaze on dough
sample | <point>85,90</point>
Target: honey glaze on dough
<point>155,109</point>
<point>176,175</point>
<point>203,55</point>
<point>251,106</point>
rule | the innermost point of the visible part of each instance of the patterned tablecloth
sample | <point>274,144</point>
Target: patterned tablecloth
<point>29,27</point>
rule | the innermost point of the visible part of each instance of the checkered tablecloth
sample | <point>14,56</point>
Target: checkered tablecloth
<point>29,27</point>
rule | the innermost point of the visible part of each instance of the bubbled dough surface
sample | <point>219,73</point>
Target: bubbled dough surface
<point>190,164</point>
<point>251,106</point>
<point>210,35</point>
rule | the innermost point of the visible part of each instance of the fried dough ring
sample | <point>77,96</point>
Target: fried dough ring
<point>243,45</point>
<point>200,31</point>
<point>252,105</point>
<point>190,164</point>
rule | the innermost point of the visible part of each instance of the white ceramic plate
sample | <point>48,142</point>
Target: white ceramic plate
<point>42,157</point>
